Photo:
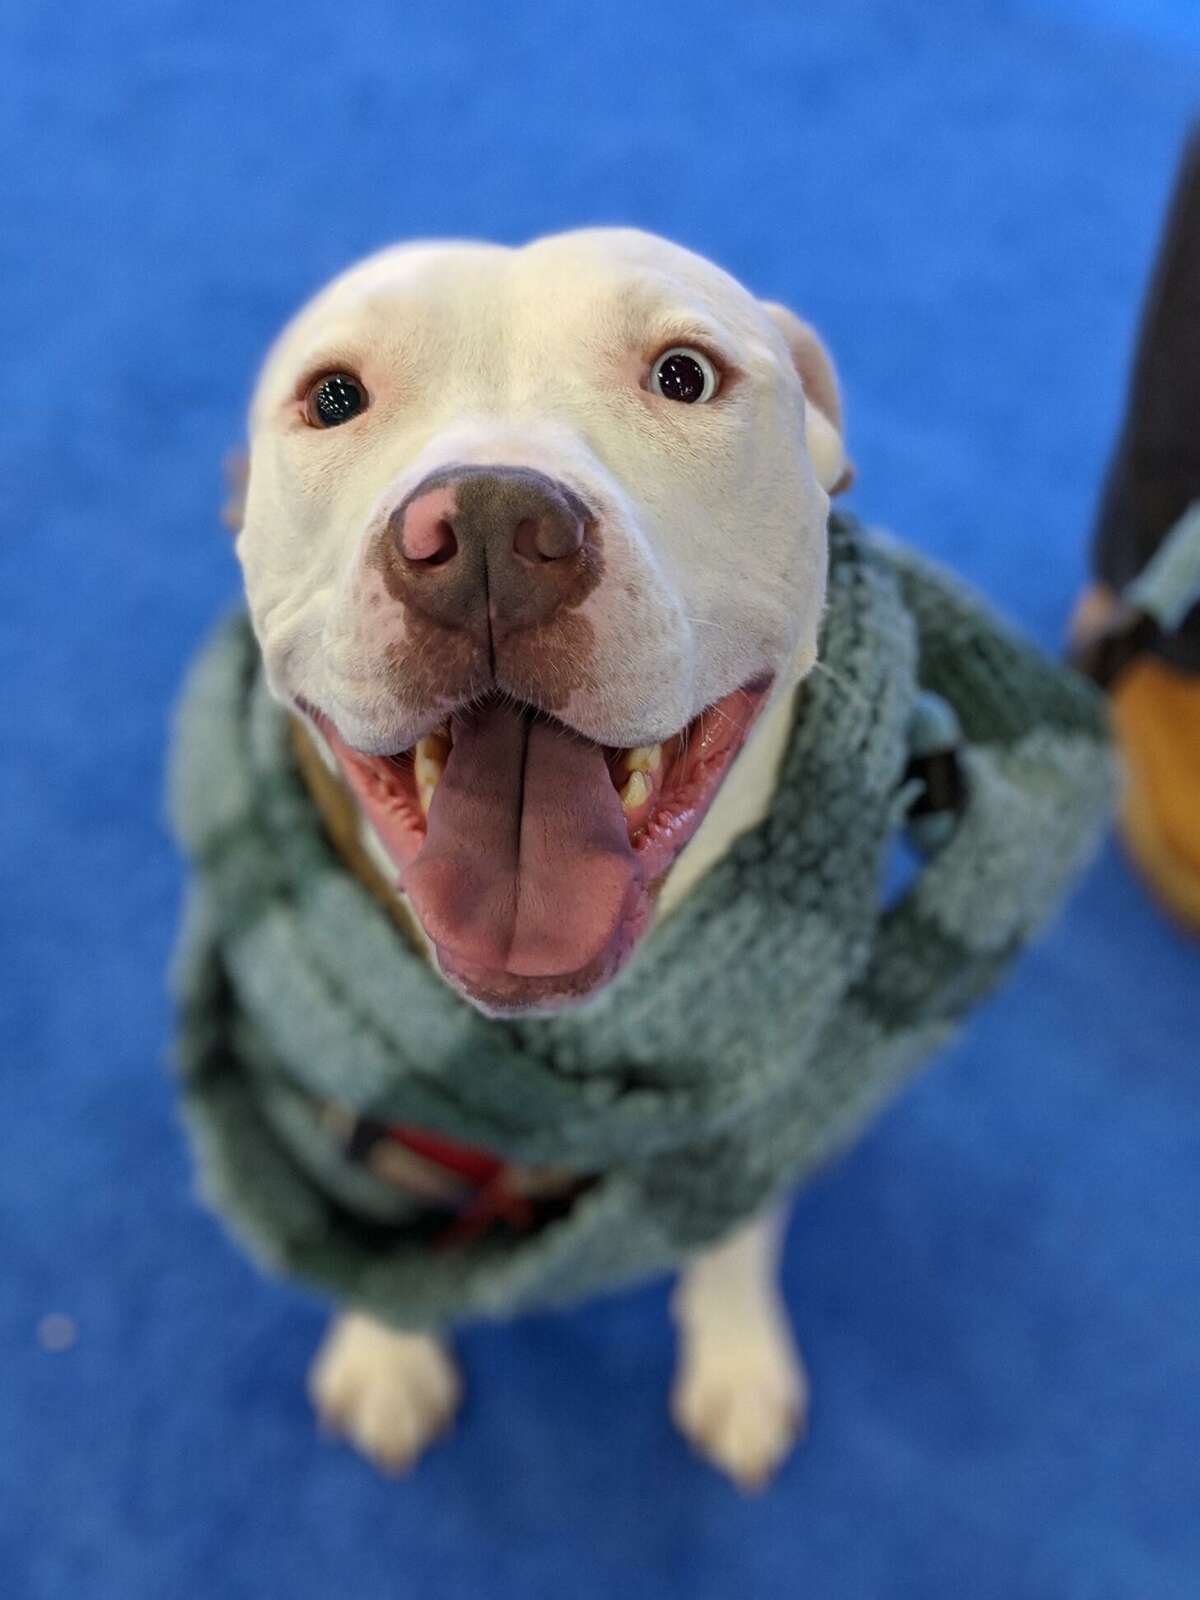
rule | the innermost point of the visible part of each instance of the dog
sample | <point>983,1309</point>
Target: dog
<point>551,521</point>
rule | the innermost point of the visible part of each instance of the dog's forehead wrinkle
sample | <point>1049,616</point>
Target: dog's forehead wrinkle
<point>636,250</point>
<point>424,266</point>
<point>408,289</point>
<point>639,271</point>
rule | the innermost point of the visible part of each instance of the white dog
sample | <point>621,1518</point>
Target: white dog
<point>588,477</point>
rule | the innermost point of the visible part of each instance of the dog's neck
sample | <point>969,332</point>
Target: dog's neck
<point>741,803</point>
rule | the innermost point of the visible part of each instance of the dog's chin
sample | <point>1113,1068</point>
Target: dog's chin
<point>530,854</point>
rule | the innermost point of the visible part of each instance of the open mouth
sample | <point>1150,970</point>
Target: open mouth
<point>531,854</point>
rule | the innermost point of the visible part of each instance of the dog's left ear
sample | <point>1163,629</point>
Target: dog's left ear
<point>823,419</point>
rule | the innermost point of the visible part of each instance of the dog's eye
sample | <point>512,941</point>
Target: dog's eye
<point>684,374</point>
<point>334,399</point>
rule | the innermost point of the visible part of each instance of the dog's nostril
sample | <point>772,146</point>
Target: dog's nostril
<point>442,546</point>
<point>547,538</point>
<point>425,535</point>
<point>525,540</point>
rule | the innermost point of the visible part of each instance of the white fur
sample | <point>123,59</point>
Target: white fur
<point>713,525</point>
<point>740,1393</point>
<point>390,1393</point>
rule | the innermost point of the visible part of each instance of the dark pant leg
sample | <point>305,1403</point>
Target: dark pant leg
<point>1155,472</point>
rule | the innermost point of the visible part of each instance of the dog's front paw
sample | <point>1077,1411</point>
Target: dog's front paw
<point>391,1394</point>
<point>741,1397</point>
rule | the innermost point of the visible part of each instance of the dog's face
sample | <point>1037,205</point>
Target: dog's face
<point>530,537</point>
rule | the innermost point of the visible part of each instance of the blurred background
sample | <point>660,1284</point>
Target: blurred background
<point>999,1291</point>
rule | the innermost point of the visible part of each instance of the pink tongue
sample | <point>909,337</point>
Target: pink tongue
<point>526,864</point>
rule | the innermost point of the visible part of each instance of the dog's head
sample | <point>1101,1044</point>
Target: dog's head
<point>530,537</point>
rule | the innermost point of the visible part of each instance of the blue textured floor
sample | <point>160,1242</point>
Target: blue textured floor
<point>999,1292</point>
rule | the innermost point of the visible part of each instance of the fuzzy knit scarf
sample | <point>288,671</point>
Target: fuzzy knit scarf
<point>756,1030</point>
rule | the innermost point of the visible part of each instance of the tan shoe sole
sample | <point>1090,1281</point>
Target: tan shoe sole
<point>1156,715</point>
<point>1156,711</point>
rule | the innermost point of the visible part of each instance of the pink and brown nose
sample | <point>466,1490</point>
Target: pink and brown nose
<point>498,547</point>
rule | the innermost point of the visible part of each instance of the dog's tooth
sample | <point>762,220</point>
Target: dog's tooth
<point>432,750</point>
<point>429,762</point>
<point>425,791</point>
<point>429,766</point>
<point>636,791</point>
<point>643,758</point>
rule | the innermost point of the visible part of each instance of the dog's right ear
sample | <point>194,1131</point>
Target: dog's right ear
<point>823,419</point>
<point>237,480</point>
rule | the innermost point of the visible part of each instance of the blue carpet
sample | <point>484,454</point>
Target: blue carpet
<point>999,1291</point>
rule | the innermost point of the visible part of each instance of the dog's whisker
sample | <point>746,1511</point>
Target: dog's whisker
<point>707,622</point>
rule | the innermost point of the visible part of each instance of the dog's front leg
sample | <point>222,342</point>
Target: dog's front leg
<point>389,1393</point>
<point>740,1394</point>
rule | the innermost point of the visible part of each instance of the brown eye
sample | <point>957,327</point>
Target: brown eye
<point>334,399</point>
<point>684,374</point>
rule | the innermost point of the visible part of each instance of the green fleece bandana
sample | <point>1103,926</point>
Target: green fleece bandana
<point>752,1034</point>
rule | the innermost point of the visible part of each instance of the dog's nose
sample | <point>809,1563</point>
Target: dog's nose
<point>505,545</point>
